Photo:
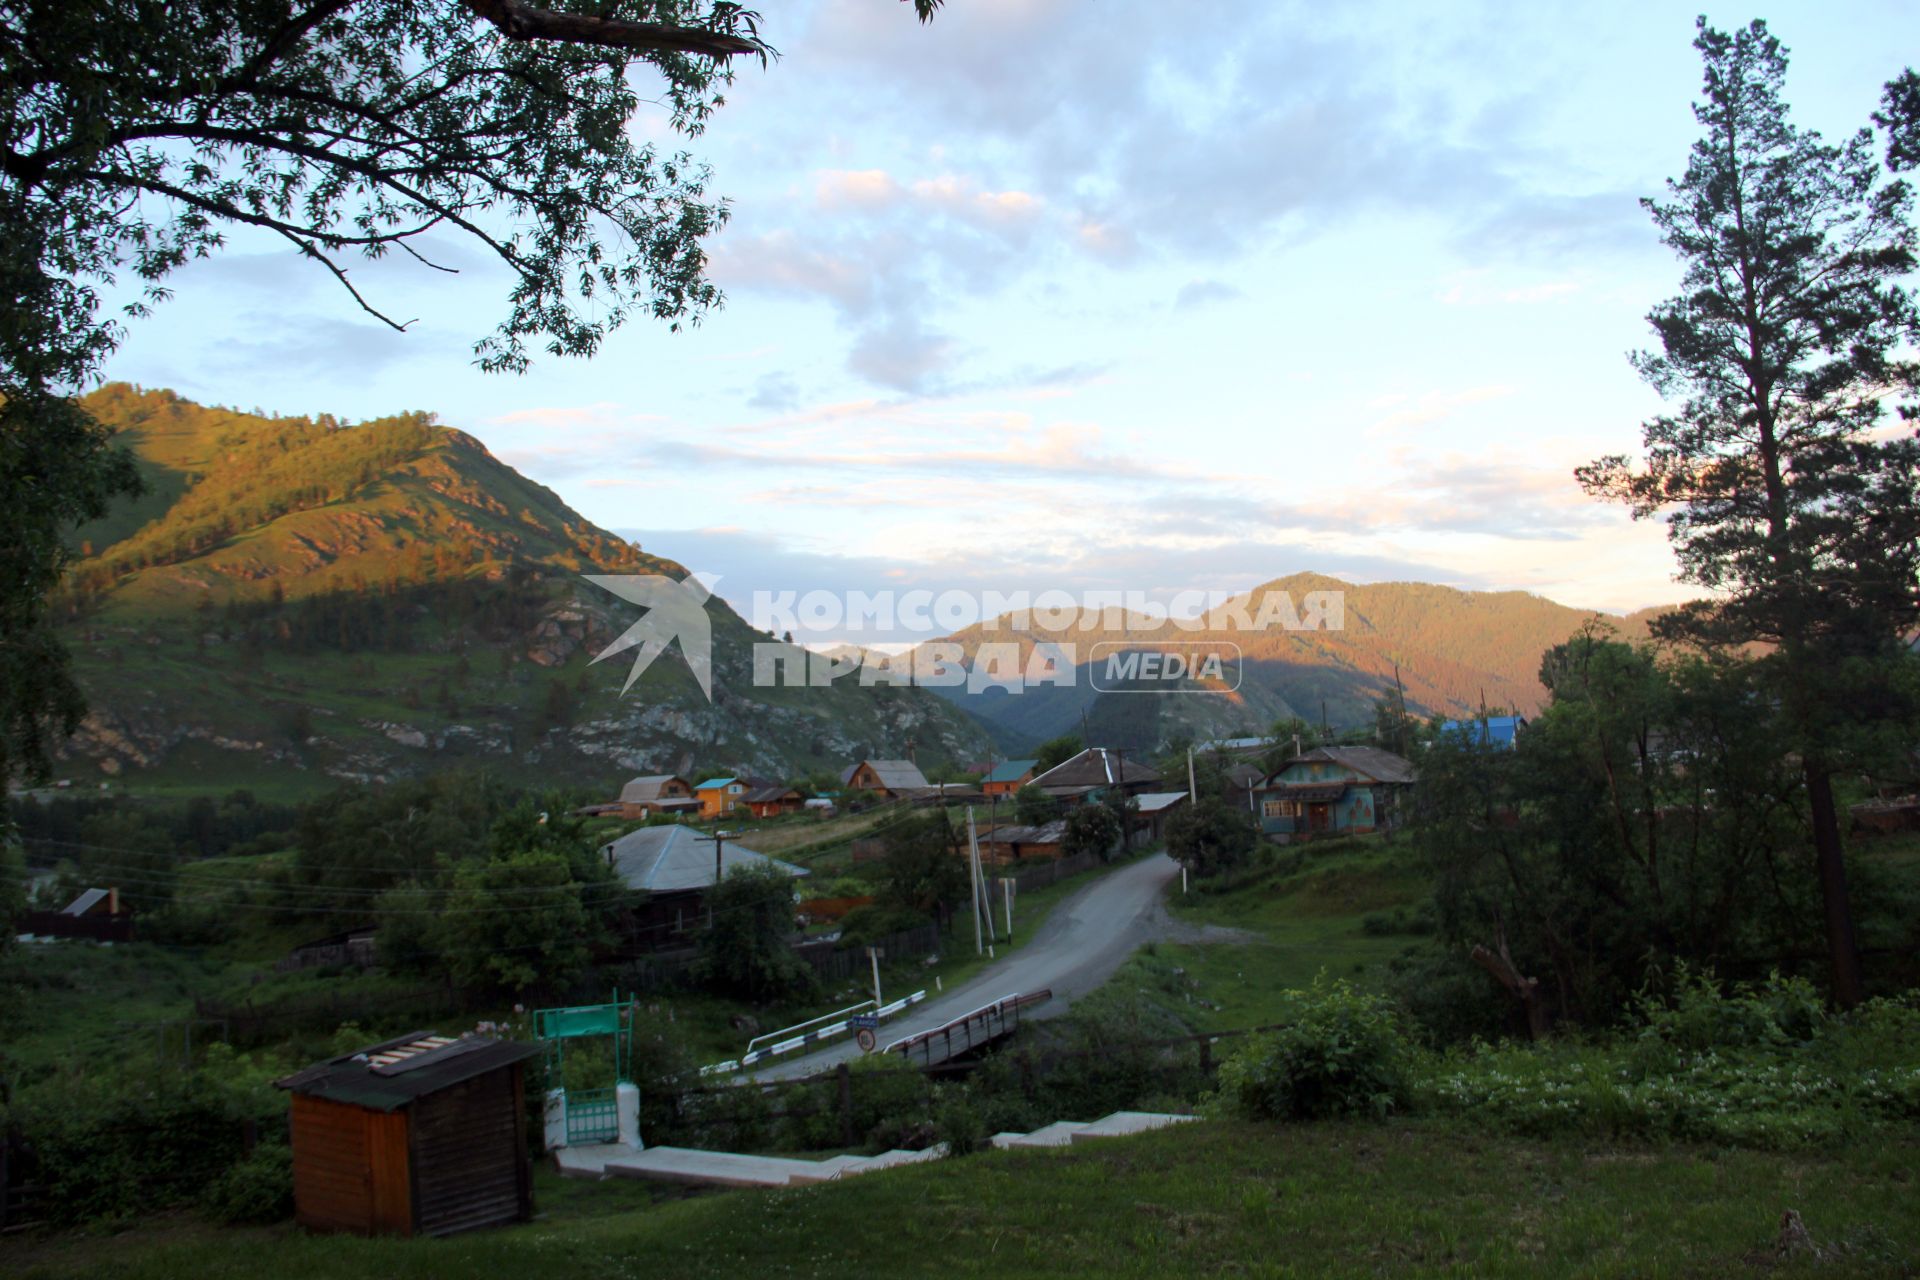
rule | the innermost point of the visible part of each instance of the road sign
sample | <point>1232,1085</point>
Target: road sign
<point>865,1038</point>
<point>864,1022</point>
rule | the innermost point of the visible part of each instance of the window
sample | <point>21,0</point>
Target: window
<point>1275,809</point>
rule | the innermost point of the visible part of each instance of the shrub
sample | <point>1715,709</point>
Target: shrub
<point>1344,1053</point>
<point>959,1122</point>
<point>257,1189</point>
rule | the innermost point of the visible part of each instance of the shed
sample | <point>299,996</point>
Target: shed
<point>419,1135</point>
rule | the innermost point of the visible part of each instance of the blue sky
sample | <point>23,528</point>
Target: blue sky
<point>1106,294</point>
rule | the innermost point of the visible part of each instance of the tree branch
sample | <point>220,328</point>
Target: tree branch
<point>517,20</point>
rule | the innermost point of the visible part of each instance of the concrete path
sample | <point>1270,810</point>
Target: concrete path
<point>1084,940</point>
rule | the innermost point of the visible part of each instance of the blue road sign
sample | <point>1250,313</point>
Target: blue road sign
<point>864,1022</point>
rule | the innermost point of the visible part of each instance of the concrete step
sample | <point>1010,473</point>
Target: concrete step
<point>710,1168</point>
<point>1122,1123</point>
<point>590,1161</point>
<point>1058,1134</point>
<point>893,1159</point>
<point>825,1170</point>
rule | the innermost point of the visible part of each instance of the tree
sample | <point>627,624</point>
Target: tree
<point>1900,117</point>
<point>135,137</point>
<point>1785,349</point>
<point>1056,751</point>
<point>924,871</point>
<point>515,922</point>
<point>744,951</point>
<point>1211,836</point>
<point>1033,807</point>
<point>1091,829</point>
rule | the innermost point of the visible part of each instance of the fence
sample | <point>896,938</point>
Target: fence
<point>1052,871</point>
<point>834,963</point>
<point>18,1197</point>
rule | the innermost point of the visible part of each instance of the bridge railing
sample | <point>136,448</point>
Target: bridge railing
<point>968,1031</point>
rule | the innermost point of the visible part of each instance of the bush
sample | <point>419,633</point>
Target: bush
<point>869,924</point>
<point>1345,1053</point>
<point>257,1189</point>
<point>959,1122</point>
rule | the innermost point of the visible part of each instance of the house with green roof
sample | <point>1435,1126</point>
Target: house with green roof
<point>1008,777</point>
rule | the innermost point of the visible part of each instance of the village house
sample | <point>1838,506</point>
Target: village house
<point>1150,816</point>
<point>891,779</point>
<point>97,915</point>
<point>419,1135</point>
<point>774,800</point>
<point>1335,791</point>
<point>720,796</point>
<point>676,868</point>
<point>1007,777</point>
<point>1012,843</point>
<point>1092,774</point>
<point>643,798</point>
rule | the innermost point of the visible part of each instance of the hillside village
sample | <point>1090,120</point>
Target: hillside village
<point>1020,640</point>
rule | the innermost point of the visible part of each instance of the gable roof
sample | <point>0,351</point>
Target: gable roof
<point>1370,762</point>
<point>894,775</point>
<point>1010,771</point>
<point>1096,767</point>
<point>86,902</point>
<point>389,1075</point>
<point>768,795</point>
<point>1155,801</point>
<point>1046,833</point>
<point>712,784</point>
<point>646,789</point>
<point>677,859</point>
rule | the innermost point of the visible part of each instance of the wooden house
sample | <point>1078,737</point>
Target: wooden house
<point>772,801</point>
<point>720,796</point>
<point>891,779</point>
<point>1007,777</point>
<point>1335,791</point>
<point>658,793</point>
<point>674,867</point>
<point>97,914</point>
<point>419,1135</point>
<point>355,948</point>
<point>1013,843</point>
<point>1151,814</point>
<point>1092,774</point>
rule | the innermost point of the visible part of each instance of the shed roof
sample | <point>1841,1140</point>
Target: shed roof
<point>678,860</point>
<point>1155,801</point>
<point>713,783</point>
<point>1046,833</point>
<point>771,795</point>
<point>389,1075</point>
<point>1010,771</point>
<point>85,903</point>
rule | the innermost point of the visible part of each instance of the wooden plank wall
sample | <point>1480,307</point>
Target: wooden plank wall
<point>468,1148</point>
<point>350,1170</point>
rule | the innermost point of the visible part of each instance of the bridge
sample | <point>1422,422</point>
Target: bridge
<point>972,1030</point>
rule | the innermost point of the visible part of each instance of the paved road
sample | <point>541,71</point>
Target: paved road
<point>1084,940</point>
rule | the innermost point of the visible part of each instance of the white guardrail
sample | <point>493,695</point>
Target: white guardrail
<point>806,1039</point>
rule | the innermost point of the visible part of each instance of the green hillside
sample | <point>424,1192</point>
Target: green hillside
<point>295,600</point>
<point>1454,649</point>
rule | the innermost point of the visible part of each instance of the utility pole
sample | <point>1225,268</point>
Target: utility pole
<point>1193,792</point>
<point>973,880</point>
<point>719,842</point>
<point>873,954</point>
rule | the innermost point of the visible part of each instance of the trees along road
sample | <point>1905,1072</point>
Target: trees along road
<point>1085,938</point>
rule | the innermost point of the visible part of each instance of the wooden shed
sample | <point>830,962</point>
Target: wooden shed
<point>419,1135</point>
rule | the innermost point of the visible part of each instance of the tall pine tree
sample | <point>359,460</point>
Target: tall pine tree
<point>1786,492</point>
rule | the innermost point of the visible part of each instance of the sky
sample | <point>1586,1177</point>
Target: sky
<point>1104,295</point>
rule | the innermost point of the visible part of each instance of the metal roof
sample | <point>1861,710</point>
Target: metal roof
<point>712,783</point>
<point>84,903</point>
<point>677,859</point>
<point>1155,801</point>
<point>894,775</point>
<point>1047,833</point>
<point>768,795</point>
<point>389,1075</point>
<point>1010,771</point>
<point>1370,762</point>
<point>1498,731</point>
<point>647,789</point>
<point>1096,767</point>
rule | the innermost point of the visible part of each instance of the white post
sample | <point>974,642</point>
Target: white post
<point>555,1115</point>
<point>873,954</point>
<point>1006,884</point>
<point>627,1108</point>
<point>1193,795</point>
<point>973,880</point>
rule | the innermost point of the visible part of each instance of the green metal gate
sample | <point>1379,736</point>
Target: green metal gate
<point>593,1115</point>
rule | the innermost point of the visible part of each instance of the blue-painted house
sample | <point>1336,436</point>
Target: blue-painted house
<point>1335,791</point>
<point>1488,731</point>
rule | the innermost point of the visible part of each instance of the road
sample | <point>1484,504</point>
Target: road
<point>1085,938</point>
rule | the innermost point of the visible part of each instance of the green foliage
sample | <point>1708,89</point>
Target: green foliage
<point>514,922</point>
<point>1344,1052</point>
<point>1212,837</point>
<point>257,1189</point>
<point>1033,807</point>
<point>744,951</point>
<point>959,1122</point>
<point>1056,751</point>
<point>1092,829</point>
<point>869,924</point>
<point>924,873</point>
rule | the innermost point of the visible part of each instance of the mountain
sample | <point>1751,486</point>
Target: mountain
<point>295,600</point>
<point>1455,650</point>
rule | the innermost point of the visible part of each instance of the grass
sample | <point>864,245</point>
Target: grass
<point>1308,909</point>
<point>1396,1199</point>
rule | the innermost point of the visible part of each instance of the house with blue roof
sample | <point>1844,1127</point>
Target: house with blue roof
<point>676,867</point>
<point>1488,731</point>
<point>720,796</point>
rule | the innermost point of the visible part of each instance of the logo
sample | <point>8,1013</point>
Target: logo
<point>1177,667</point>
<point>675,611</point>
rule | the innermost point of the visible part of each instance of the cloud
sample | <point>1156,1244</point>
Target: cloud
<point>1201,293</point>
<point>901,355</point>
<point>776,392</point>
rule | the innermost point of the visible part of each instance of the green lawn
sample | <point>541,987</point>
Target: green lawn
<point>1395,1199</point>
